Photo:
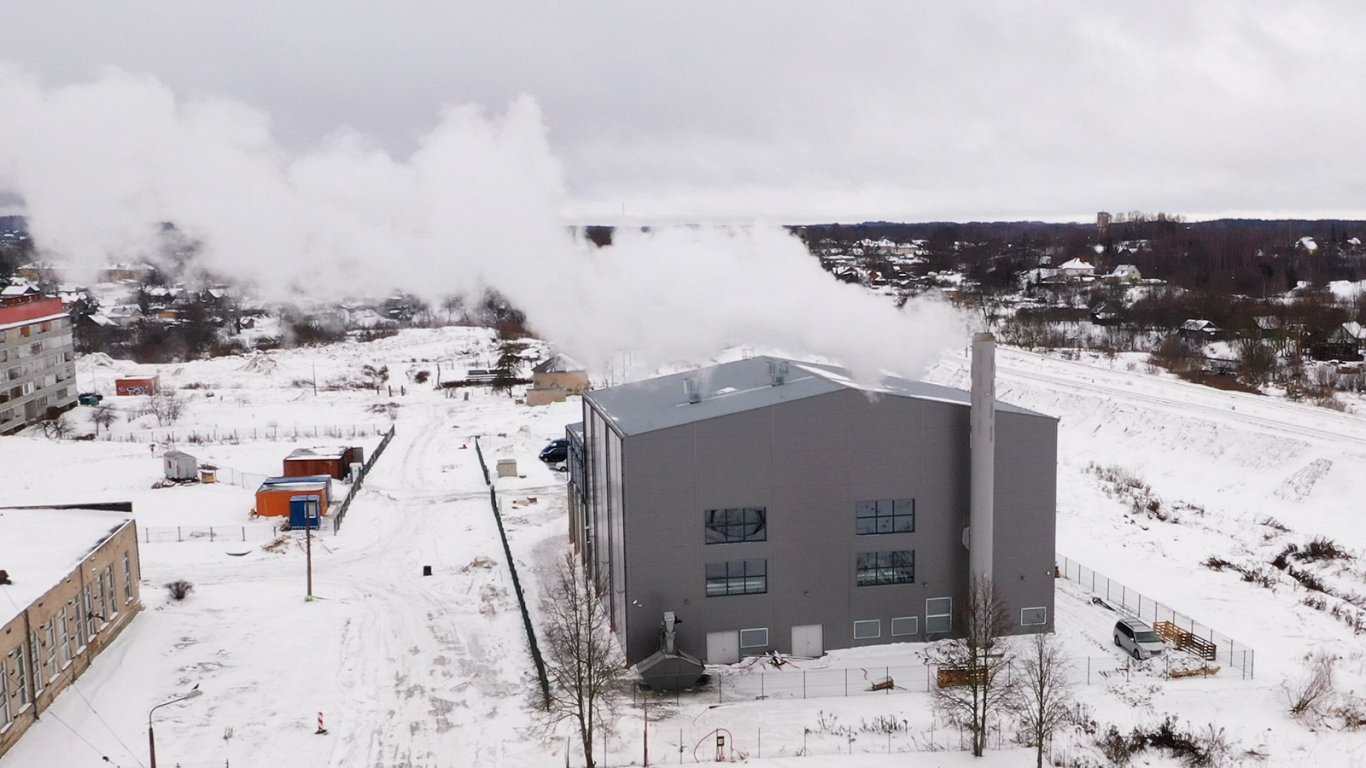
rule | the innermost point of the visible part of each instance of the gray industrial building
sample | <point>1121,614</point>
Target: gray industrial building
<point>777,505</point>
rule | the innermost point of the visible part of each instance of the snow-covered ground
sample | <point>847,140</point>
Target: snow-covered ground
<point>432,671</point>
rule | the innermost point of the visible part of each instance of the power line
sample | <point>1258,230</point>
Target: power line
<point>112,732</point>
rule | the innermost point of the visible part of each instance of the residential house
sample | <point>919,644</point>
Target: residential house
<point>1076,269</point>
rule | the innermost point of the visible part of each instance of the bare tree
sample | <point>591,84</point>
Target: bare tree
<point>103,416</point>
<point>581,657</point>
<point>1309,694</point>
<point>58,427</point>
<point>974,683</point>
<point>166,406</point>
<point>1042,695</point>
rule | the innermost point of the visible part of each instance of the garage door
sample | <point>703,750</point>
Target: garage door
<point>723,647</point>
<point>808,641</point>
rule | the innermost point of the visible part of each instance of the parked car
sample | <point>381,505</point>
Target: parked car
<point>1138,639</point>
<point>555,452</point>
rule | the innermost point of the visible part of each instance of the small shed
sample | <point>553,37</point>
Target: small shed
<point>333,461</point>
<point>555,379</point>
<point>304,500</point>
<point>179,465</point>
<point>125,386</point>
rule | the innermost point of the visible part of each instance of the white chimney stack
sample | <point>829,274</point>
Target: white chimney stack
<point>982,450</point>
<point>690,390</point>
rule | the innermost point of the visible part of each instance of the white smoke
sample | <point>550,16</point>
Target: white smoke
<point>101,165</point>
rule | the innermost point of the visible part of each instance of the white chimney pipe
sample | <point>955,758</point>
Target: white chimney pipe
<point>982,449</point>
<point>691,391</point>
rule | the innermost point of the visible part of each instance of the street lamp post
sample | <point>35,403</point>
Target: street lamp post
<point>151,739</point>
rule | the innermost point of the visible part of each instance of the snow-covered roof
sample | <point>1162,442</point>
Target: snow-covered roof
<point>318,452</point>
<point>310,483</point>
<point>558,363</point>
<point>1308,244</point>
<point>746,385</point>
<point>1355,330</point>
<point>1076,264</point>
<point>40,547</point>
<point>1125,270</point>
<point>1198,325</point>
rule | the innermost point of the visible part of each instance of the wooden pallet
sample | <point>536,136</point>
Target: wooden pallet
<point>1185,640</point>
<point>953,677</point>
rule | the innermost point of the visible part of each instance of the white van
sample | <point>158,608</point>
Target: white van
<point>1138,639</point>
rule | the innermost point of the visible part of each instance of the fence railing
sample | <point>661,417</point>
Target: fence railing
<point>359,480</point>
<point>516,582</point>
<point>224,434</point>
<point>1227,651</point>
<point>248,532</point>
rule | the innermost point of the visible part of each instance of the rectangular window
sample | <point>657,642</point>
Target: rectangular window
<point>50,642</point>
<point>90,605</point>
<point>727,526</point>
<point>21,673</point>
<point>127,579</point>
<point>754,638</point>
<point>5,716</point>
<point>885,516</point>
<point>868,629</point>
<point>905,625</point>
<point>938,615</point>
<point>741,577</point>
<point>876,568</point>
<point>1033,617</point>
<point>63,639</point>
<point>39,679</point>
<point>110,600</point>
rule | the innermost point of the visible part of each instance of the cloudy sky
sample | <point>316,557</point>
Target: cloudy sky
<point>785,111</point>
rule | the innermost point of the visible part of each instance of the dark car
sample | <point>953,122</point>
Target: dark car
<point>556,452</point>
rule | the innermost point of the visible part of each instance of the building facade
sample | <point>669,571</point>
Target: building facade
<point>73,585</point>
<point>37,362</point>
<point>774,505</point>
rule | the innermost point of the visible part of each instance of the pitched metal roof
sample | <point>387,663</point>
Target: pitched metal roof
<point>745,385</point>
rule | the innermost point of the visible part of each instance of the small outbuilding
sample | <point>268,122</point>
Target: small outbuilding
<point>556,378</point>
<point>304,500</point>
<point>179,465</point>
<point>333,461</point>
<point>126,386</point>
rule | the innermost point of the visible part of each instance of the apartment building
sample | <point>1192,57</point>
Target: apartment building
<point>69,584</point>
<point>37,368</point>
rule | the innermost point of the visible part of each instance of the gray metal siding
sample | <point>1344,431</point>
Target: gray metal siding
<point>808,462</point>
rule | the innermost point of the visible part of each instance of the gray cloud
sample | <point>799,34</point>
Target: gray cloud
<point>795,110</point>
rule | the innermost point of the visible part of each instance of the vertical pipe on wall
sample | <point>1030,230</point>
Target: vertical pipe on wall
<point>982,448</point>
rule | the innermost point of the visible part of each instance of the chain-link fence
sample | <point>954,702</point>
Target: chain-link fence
<point>250,532</point>
<point>1176,627</point>
<point>198,434</point>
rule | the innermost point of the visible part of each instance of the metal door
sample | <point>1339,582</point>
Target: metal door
<point>723,647</point>
<point>808,641</point>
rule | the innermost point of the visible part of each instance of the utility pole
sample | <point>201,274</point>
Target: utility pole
<point>310,518</point>
<point>645,719</point>
<point>315,378</point>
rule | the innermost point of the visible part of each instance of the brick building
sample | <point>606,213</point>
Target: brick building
<point>70,583</point>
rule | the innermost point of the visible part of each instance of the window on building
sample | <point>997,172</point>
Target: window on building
<point>938,615</point>
<point>741,577</point>
<point>26,331</point>
<point>727,526</point>
<point>868,629</point>
<point>21,676</point>
<point>874,568</point>
<point>1033,617</point>
<point>47,326</point>
<point>110,601</point>
<point>885,516</point>
<point>905,625</point>
<point>754,638</point>
<point>39,679</point>
<point>50,643</point>
<point>63,639</point>
<point>127,578</point>
<point>5,717</point>
<point>91,607</point>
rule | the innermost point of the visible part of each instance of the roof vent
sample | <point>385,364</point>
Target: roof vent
<point>690,389</point>
<point>777,372</point>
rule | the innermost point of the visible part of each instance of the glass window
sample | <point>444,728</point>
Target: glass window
<point>5,717</point>
<point>1033,617</point>
<point>127,579</point>
<point>727,526</point>
<point>21,675</point>
<point>938,615</point>
<point>875,568</point>
<point>63,639</point>
<point>905,625</point>
<point>868,629</point>
<point>739,577</point>
<point>754,638</point>
<point>885,516</point>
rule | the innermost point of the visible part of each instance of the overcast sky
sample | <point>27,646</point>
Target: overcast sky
<point>790,111</point>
